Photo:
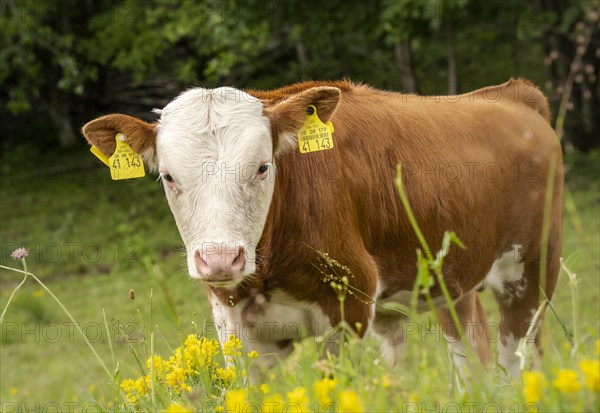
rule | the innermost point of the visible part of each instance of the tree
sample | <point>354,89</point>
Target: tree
<point>39,59</point>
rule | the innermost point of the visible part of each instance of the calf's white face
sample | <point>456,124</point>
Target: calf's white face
<point>215,158</point>
<point>214,150</point>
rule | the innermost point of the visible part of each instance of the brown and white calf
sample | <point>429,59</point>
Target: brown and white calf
<point>252,210</point>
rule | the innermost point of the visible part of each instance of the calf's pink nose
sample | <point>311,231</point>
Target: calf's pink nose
<point>220,264</point>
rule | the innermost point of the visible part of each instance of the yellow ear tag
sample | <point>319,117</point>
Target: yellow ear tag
<point>100,155</point>
<point>315,135</point>
<point>125,163</point>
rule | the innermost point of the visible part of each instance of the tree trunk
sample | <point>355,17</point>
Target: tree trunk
<point>403,56</point>
<point>58,109</point>
<point>301,55</point>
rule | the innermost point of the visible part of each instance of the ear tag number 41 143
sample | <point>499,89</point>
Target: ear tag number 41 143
<point>125,163</point>
<point>315,135</point>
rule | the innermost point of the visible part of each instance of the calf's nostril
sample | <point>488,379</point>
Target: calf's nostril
<point>239,260</point>
<point>201,264</point>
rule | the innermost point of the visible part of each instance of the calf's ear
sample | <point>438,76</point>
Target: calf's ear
<point>140,135</point>
<point>287,117</point>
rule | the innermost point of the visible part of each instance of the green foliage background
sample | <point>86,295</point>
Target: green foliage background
<point>63,62</point>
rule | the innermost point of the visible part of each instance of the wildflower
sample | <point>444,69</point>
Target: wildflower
<point>253,354</point>
<point>264,388</point>
<point>350,402</point>
<point>272,404</point>
<point>298,398</point>
<point>159,365</point>
<point>13,391</point>
<point>591,372</point>
<point>19,253</point>
<point>38,293</point>
<point>567,381</point>
<point>235,400</point>
<point>176,379</point>
<point>227,375</point>
<point>322,390</point>
<point>534,384</point>
<point>177,408</point>
<point>134,389</point>
<point>198,354</point>
<point>232,346</point>
<point>386,381</point>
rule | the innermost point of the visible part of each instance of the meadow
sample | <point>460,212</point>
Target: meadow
<point>111,253</point>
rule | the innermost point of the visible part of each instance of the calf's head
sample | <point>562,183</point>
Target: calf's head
<point>215,151</point>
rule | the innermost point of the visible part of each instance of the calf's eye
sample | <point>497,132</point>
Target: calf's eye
<point>263,168</point>
<point>168,178</point>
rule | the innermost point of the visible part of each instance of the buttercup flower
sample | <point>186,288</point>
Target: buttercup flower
<point>591,372</point>
<point>177,408</point>
<point>272,404</point>
<point>236,400</point>
<point>534,385</point>
<point>350,402</point>
<point>322,389</point>
<point>298,398</point>
<point>19,253</point>
<point>567,381</point>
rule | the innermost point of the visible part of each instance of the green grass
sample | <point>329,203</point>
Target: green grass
<point>129,222</point>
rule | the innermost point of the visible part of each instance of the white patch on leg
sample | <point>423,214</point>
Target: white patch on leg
<point>392,347</point>
<point>507,346</point>
<point>506,275</point>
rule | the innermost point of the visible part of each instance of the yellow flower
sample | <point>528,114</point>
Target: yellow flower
<point>134,389</point>
<point>236,400</point>
<point>227,374</point>
<point>197,354</point>
<point>232,346</point>
<point>386,381</point>
<point>177,408</point>
<point>264,388</point>
<point>272,404</point>
<point>176,379</point>
<point>159,365</point>
<point>598,347</point>
<point>350,402</point>
<point>13,391</point>
<point>298,398</point>
<point>253,354</point>
<point>38,293</point>
<point>322,390</point>
<point>591,372</point>
<point>567,381</point>
<point>534,384</point>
